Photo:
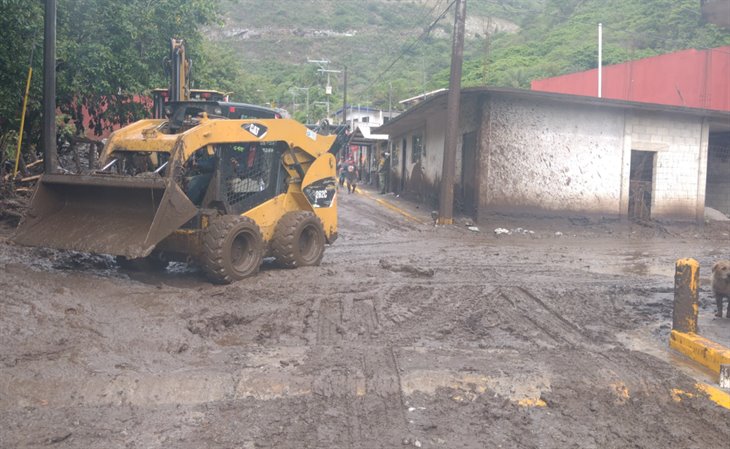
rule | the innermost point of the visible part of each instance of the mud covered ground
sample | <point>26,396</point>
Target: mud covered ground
<point>407,335</point>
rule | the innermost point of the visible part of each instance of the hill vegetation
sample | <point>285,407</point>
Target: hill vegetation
<point>259,50</point>
<point>396,49</point>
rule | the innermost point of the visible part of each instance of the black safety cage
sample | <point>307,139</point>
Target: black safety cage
<point>250,173</point>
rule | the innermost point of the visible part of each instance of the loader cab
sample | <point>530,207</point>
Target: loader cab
<point>237,177</point>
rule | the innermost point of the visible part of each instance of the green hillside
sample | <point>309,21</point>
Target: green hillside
<point>109,51</point>
<point>400,48</point>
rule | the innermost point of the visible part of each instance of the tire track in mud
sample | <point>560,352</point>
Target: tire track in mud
<point>544,317</point>
<point>352,355</point>
<point>513,317</point>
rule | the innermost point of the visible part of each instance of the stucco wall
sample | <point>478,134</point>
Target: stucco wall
<point>552,157</point>
<point>541,155</point>
<point>423,179</point>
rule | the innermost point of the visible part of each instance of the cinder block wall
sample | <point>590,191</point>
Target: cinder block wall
<point>679,166</point>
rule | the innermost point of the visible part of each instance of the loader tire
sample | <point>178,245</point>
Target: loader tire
<point>298,240</point>
<point>232,249</point>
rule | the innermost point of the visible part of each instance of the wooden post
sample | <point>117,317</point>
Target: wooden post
<point>453,102</point>
<point>686,306</point>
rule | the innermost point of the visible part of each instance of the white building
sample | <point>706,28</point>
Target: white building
<point>357,115</point>
<point>526,151</point>
<point>365,145</point>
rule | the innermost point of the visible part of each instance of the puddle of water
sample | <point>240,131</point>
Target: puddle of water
<point>641,340</point>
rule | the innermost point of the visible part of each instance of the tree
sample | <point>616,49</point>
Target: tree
<point>112,51</point>
<point>108,52</point>
<point>22,24</point>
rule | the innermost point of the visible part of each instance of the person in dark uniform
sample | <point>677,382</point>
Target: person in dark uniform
<point>383,171</point>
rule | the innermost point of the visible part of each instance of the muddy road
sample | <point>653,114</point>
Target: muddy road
<point>407,335</point>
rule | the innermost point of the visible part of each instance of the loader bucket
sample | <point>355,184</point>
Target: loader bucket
<point>104,214</point>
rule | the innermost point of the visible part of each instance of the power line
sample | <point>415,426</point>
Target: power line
<point>411,46</point>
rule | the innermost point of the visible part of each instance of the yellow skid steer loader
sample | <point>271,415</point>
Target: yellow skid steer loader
<point>222,192</point>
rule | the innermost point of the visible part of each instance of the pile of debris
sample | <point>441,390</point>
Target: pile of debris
<point>80,155</point>
<point>25,179</point>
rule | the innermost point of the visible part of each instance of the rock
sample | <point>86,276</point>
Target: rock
<point>715,215</point>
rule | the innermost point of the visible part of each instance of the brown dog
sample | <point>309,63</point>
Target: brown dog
<point>721,284</point>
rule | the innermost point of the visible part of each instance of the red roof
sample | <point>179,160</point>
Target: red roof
<point>690,78</point>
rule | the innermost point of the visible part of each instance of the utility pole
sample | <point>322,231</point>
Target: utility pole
<point>323,63</point>
<point>328,88</point>
<point>49,88</point>
<point>344,100</point>
<point>446,197</point>
<point>390,100</point>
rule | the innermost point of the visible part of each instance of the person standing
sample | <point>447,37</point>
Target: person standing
<point>351,175</point>
<point>342,171</point>
<point>383,172</point>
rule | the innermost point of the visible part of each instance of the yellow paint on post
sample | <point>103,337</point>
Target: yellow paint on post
<point>703,351</point>
<point>686,299</point>
<point>22,120</point>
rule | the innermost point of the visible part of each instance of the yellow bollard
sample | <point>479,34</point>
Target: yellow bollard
<point>686,305</point>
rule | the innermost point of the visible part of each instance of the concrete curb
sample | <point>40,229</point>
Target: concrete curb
<point>390,206</point>
<point>716,395</point>
<point>703,351</point>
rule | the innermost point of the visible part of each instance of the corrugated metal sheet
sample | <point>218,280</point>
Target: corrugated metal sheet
<point>691,78</point>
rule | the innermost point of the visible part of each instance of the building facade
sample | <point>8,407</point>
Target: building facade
<point>541,153</point>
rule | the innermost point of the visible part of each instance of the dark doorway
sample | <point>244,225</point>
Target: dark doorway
<point>641,180</point>
<point>717,191</point>
<point>469,173</point>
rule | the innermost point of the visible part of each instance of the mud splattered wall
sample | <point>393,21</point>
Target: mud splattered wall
<point>554,154</point>
<point>680,161</point>
<point>549,156</point>
<point>423,175</point>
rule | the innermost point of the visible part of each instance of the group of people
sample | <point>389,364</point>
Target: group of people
<point>348,173</point>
